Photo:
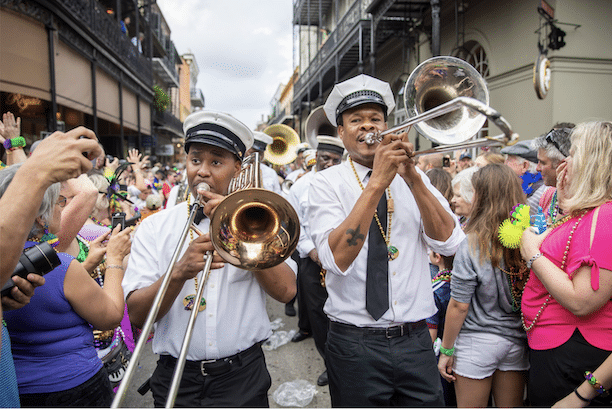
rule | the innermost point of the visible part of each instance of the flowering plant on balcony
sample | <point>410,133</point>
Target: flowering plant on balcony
<point>161,100</point>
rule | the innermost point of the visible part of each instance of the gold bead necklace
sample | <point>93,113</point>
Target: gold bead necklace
<point>189,300</point>
<point>392,251</point>
<point>567,246</point>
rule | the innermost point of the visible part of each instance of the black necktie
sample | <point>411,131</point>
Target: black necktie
<point>199,215</point>
<point>377,279</point>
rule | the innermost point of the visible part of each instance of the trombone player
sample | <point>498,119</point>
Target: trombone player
<point>378,350</point>
<point>225,363</point>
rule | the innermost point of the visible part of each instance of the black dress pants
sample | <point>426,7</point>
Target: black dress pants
<point>312,296</point>
<point>246,384</point>
<point>368,370</point>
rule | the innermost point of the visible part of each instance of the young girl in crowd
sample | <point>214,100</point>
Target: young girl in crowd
<point>484,348</point>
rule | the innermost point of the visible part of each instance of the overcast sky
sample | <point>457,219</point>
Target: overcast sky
<point>243,49</point>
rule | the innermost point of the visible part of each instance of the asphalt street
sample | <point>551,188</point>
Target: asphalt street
<point>289,362</point>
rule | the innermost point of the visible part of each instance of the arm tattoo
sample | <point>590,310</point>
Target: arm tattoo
<point>355,235</point>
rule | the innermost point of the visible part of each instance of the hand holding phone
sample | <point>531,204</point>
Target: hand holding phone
<point>118,219</point>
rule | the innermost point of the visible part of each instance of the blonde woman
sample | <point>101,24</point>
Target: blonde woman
<point>566,305</point>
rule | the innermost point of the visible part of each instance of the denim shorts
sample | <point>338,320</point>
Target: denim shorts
<point>479,354</point>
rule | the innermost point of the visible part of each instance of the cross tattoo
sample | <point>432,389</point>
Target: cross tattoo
<point>355,236</point>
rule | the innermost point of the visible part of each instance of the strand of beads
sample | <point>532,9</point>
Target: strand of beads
<point>567,246</point>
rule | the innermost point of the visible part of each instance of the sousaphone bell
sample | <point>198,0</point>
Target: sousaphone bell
<point>282,149</point>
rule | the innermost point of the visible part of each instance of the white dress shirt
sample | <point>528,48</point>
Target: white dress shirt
<point>332,196</point>
<point>235,317</point>
<point>294,175</point>
<point>270,178</point>
<point>298,197</point>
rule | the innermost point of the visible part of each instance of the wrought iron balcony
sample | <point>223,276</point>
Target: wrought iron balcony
<point>90,22</point>
<point>165,68</point>
<point>342,44</point>
<point>197,98</point>
<point>165,121</point>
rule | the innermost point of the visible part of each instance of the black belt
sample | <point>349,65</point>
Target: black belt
<point>215,366</point>
<point>390,332</point>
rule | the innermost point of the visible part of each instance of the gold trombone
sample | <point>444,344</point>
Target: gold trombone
<point>252,228</point>
<point>447,101</point>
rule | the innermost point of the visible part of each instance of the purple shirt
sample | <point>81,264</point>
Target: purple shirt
<point>52,345</point>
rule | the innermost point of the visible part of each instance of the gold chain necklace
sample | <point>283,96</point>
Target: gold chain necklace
<point>392,251</point>
<point>548,297</point>
<point>189,300</point>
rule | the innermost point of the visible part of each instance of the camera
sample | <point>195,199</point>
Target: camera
<point>118,218</point>
<point>39,259</point>
<point>445,162</point>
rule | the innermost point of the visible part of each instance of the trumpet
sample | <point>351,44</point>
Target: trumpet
<point>447,101</point>
<point>286,186</point>
<point>251,228</point>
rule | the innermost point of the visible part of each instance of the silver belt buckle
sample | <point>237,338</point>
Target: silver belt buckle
<point>202,363</point>
<point>401,332</point>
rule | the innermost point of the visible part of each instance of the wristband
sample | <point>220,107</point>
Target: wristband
<point>18,142</point>
<point>582,398</point>
<point>447,352</point>
<point>532,259</point>
<point>588,375</point>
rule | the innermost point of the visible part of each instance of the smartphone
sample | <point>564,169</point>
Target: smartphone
<point>445,162</point>
<point>118,219</point>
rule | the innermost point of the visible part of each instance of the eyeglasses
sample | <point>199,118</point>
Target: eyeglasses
<point>61,202</point>
<point>555,134</point>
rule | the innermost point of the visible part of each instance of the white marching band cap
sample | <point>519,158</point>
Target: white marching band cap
<point>310,156</point>
<point>217,129</point>
<point>356,91</point>
<point>330,143</point>
<point>262,140</point>
<point>301,147</point>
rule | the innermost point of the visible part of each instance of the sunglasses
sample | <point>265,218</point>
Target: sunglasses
<point>555,134</point>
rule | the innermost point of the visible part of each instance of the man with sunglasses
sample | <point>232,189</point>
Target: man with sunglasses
<point>523,159</point>
<point>552,147</point>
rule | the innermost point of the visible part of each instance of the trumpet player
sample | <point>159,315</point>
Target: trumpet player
<point>371,220</point>
<point>225,363</point>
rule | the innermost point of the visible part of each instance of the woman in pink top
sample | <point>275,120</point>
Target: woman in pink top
<point>566,305</point>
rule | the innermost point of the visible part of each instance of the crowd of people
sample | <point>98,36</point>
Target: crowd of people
<point>412,293</point>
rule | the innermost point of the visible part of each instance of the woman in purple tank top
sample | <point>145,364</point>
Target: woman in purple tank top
<point>53,346</point>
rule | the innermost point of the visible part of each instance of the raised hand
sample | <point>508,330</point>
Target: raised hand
<point>9,127</point>
<point>63,156</point>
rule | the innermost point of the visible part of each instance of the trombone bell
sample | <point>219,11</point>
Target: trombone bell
<point>255,229</point>
<point>439,80</point>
